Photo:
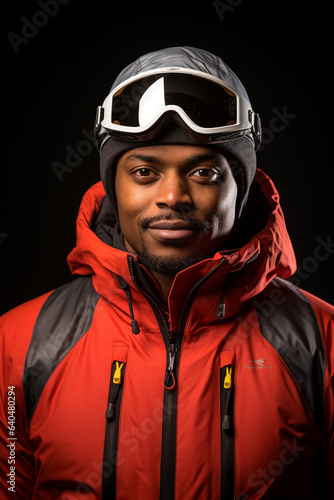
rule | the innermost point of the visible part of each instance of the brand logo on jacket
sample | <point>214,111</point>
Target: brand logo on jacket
<point>258,364</point>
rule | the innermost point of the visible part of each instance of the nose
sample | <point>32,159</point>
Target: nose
<point>173,192</point>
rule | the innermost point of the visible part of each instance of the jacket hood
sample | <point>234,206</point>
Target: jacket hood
<point>265,252</point>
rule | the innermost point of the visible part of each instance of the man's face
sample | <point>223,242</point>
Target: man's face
<point>176,204</point>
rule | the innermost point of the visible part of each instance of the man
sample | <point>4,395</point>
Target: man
<point>180,363</point>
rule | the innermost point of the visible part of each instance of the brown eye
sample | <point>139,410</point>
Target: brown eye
<point>144,175</point>
<point>205,174</point>
<point>143,172</point>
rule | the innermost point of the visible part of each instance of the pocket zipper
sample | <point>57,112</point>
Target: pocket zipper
<point>226,423</point>
<point>227,435</point>
<point>114,390</point>
<point>111,434</point>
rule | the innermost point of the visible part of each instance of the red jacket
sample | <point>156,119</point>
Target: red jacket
<point>227,394</point>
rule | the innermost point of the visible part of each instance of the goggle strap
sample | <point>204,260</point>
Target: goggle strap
<point>255,122</point>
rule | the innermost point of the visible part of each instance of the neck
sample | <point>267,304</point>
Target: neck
<point>165,283</point>
<point>156,283</point>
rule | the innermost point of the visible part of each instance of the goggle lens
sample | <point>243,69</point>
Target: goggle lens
<point>205,102</point>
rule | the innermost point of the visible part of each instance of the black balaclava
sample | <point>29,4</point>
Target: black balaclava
<point>239,152</point>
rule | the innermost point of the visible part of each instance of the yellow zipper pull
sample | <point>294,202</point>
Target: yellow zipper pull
<point>228,378</point>
<point>118,372</point>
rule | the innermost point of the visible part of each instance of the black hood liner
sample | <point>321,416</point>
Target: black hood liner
<point>106,226</point>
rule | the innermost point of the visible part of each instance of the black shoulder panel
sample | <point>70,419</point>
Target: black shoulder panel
<point>63,320</point>
<point>288,322</point>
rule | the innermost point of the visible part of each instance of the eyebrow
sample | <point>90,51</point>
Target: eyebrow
<point>145,158</point>
<point>193,160</point>
<point>215,156</point>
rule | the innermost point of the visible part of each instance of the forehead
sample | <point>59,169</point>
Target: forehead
<point>171,153</point>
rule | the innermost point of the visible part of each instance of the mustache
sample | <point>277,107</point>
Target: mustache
<point>202,225</point>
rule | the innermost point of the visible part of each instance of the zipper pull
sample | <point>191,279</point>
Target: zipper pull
<point>226,424</point>
<point>118,372</point>
<point>228,378</point>
<point>170,379</point>
<point>117,379</point>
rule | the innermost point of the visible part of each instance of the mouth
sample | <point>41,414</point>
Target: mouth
<point>172,230</point>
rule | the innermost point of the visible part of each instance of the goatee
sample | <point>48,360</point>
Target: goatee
<point>168,266</point>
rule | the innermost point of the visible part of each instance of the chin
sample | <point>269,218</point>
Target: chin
<point>169,265</point>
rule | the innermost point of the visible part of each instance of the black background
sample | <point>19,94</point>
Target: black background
<point>63,69</point>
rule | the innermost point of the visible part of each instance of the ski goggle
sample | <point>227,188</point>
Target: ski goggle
<point>206,105</point>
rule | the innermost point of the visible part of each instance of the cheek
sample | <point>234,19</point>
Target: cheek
<point>132,206</point>
<point>223,215</point>
<point>128,217</point>
<point>127,211</point>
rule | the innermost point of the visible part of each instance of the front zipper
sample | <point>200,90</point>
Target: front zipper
<point>173,347</point>
<point>168,452</point>
<point>170,381</point>
<point>111,434</point>
<point>172,343</point>
<point>227,432</point>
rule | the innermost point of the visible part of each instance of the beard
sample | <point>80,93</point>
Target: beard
<point>168,266</point>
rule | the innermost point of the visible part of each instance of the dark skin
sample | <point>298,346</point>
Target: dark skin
<point>176,206</point>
